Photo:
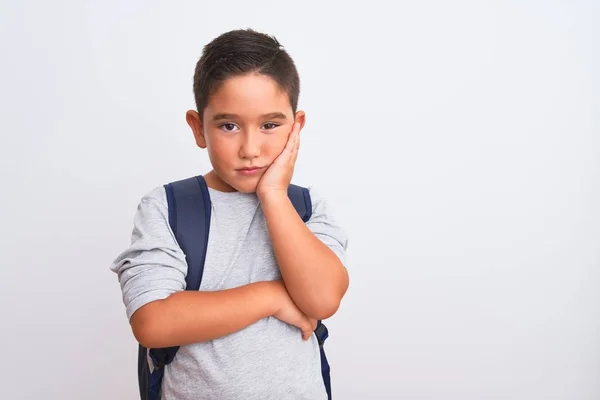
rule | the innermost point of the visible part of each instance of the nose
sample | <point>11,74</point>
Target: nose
<point>250,146</point>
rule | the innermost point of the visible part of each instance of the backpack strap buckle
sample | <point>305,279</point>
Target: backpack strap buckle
<point>321,333</point>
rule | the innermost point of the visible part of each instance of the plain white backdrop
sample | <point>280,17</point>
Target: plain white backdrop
<point>459,143</point>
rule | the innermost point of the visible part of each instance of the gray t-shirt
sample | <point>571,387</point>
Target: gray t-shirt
<point>266,360</point>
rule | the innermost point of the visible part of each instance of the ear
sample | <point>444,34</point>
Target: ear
<point>301,118</point>
<point>193,120</point>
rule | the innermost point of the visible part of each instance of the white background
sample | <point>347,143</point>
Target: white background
<point>459,143</point>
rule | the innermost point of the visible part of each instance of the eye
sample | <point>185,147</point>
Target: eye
<point>269,125</point>
<point>228,127</point>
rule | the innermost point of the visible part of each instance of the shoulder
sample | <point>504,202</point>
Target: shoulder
<point>324,222</point>
<point>153,202</point>
<point>152,214</point>
<point>320,203</point>
<point>156,195</point>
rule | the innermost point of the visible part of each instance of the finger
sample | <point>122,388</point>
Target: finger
<point>296,145</point>
<point>294,154</point>
<point>306,335</point>
<point>296,128</point>
<point>289,146</point>
<point>312,325</point>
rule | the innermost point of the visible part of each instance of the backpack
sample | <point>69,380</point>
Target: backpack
<point>189,217</point>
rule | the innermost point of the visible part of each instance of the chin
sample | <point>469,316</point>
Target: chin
<point>243,185</point>
<point>246,187</point>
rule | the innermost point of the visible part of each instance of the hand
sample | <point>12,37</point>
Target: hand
<point>279,174</point>
<point>289,313</point>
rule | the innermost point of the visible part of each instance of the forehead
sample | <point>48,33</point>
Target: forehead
<point>248,96</point>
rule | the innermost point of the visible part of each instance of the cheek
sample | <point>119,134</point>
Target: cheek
<point>221,149</point>
<point>274,146</point>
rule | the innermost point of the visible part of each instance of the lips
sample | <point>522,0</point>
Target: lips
<point>249,170</point>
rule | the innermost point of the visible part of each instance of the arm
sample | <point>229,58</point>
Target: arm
<point>151,273</point>
<point>191,317</point>
<point>313,274</point>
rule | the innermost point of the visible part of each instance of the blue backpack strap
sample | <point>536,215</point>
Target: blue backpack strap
<point>189,210</point>
<point>300,198</point>
<point>189,218</point>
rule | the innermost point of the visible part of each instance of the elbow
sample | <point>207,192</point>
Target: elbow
<point>149,338</point>
<point>325,309</point>
<point>328,307</point>
<point>146,327</point>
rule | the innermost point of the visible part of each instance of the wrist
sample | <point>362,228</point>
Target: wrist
<point>272,195</point>
<point>273,199</point>
<point>273,291</point>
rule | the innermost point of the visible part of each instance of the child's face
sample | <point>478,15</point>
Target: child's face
<point>246,124</point>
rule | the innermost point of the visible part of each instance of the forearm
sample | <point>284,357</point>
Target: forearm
<point>313,274</point>
<point>191,317</point>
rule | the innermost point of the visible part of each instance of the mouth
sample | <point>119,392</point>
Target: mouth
<point>249,170</point>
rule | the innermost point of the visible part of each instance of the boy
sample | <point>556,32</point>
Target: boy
<point>268,276</point>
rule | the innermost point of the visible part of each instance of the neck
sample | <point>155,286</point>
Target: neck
<point>214,182</point>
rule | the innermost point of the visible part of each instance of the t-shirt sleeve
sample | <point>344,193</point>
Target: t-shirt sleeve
<point>153,266</point>
<point>323,224</point>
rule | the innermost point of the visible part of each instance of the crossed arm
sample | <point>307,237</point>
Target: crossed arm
<point>314,278</point>
<point>313,284</point>
<point>314,275</point>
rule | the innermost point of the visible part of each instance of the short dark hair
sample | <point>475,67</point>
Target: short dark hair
<point>241,52</point>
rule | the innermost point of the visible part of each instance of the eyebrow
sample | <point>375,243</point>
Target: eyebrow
<point>273,115</point>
